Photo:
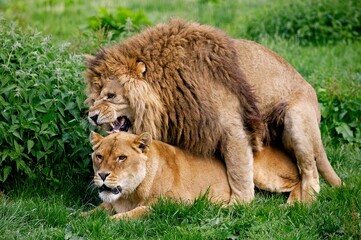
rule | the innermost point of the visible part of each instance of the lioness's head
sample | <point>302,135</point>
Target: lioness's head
<point>119,162</point>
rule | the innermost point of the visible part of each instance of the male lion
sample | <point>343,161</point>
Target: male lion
<point>194,87</point>
<point>132,172</point>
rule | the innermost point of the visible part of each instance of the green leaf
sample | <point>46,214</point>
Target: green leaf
<point>7,89</point>
<point>345,131</point>
<point>70,105</point>
<point>50,116</point>
<point>30,144</point>
<point>41,109</point>
<point>16,134</point>
<point>6,172</point>
<point>18,148</point>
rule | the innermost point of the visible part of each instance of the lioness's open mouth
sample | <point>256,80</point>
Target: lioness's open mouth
<point>105,188</point>
<point>121,124</point>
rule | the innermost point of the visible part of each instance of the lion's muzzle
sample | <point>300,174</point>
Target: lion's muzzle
<point>122,123</point>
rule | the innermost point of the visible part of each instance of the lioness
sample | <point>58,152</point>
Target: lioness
<point>132,172</point>
<point>194,87</point>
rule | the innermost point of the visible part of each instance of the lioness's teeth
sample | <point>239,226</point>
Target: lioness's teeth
<point>111,124</point>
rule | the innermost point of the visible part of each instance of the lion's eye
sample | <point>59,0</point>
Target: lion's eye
<point>122,158</point>
<point>99,157</point>
<point>110,96</point>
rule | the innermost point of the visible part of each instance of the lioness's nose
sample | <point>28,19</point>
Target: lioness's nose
<point>94,118</point>
<point>103,175</point>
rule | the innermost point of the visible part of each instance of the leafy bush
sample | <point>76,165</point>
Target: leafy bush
<point>310,21</point>
<point>43,132</point>
<point>123,23</point>
<point>341,112</point>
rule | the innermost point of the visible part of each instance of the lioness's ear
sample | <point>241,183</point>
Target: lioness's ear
<point>88,58</point>
<point>143,141</point>
<point>95,138</point>
<point>141,67</point>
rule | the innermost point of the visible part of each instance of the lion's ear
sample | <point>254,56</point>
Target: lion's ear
<point>143,141</point>
<point>141,68</point>
<point>95,138</point>
<point>88,59</point>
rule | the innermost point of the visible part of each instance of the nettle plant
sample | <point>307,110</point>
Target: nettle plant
<point>341,112</point>
<point>43,130</point>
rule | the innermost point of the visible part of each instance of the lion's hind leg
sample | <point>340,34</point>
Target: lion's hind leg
<point>301,136</point>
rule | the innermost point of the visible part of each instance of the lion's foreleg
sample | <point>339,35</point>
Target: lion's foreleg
<point>238,157</point>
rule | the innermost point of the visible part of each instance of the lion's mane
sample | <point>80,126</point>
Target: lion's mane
<point>171,99</point>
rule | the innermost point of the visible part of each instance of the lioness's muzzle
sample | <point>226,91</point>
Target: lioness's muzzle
<point>115,190</point>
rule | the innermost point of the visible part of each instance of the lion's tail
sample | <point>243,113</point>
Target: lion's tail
<point>326,170</point>
<point>274,121</point>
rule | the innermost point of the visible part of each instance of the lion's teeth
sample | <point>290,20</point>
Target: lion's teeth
<point>111,124</point>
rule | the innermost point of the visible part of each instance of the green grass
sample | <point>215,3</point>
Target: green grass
<point>33,214</point>
<point>64,19</point>
<point>30,210</point>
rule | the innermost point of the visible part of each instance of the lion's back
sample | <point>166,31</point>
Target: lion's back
<point>273,79</point>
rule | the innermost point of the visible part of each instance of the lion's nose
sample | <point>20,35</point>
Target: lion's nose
<point>94,118</point>
<point>103,175</point>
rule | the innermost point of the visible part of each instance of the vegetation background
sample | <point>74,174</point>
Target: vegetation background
<point>45,169</point>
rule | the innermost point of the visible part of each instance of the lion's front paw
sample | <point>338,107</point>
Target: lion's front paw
<point>245,199</point>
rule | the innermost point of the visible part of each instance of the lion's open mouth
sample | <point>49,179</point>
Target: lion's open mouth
<point>105,188</point>
<point>121,124</point>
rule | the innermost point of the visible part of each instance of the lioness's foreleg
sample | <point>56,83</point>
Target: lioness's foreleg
<point>103,206</point>
<point>134,213</point>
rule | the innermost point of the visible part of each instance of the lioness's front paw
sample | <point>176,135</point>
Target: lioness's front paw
<point>85,213</point>
<point>120,216</point>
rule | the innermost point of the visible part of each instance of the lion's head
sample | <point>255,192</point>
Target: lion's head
<point>117,96</point>
<point>119,162</point>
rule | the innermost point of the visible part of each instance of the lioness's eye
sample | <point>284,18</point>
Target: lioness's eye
<point>122,158</point>
<point>99,157</point>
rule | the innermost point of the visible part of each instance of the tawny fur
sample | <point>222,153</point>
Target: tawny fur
<point>152,170</point>
<point>181,59</point>
<point>192,86</point>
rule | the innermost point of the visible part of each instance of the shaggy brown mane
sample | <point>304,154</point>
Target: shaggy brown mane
<point>166,51</point>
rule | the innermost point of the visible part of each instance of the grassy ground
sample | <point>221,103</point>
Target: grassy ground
<point>44,214</point>
<point>31,211</point>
